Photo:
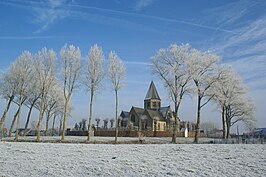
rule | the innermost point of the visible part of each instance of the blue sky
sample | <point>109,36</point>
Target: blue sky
<point>135,29</point>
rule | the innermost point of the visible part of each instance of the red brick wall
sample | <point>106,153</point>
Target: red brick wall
<point>146,133</point>
<point>125,133</point>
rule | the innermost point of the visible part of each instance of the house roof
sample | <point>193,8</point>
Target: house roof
<point>152,92</point>
<point>262,130</point>
<point>164,111</point>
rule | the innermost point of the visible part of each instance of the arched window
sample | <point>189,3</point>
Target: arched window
<point>133,118</point>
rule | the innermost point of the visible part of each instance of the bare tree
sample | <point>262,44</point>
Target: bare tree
<point>201,67</point>
<point>93,77</point>
<point>8,89</point>
<point>21,70</point>
<point>170,65</point>
<point>16,101</point>
<point>116,73</point>
<point>112,123</point>
<point>71,67</point>
<point>54,102</point>
<point>45,71</point>
<point>105,123</point>
<point>230,94</point>
<point>83,124</point>
<point>97,122</point>
<point>209,127</point>
<point>33,95</point>
<point>240,109</point>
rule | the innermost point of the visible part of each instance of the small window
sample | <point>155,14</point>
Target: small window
<point>159,126</point>
<point>148,104</point>
<point>154,104</point>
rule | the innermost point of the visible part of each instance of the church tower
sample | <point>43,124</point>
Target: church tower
<point>152,99</point>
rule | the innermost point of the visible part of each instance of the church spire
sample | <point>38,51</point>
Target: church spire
<point>152,92</point>
<point>152,99</point>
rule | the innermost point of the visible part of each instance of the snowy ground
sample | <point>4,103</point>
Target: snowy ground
<point>55,159</point>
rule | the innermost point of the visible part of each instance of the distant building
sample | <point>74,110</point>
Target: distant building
<point>257,133</point>
<point>153,116</point>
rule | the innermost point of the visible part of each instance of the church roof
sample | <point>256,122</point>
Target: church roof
<point>155,114</point>
<point>164,111</point>
<point>152,92</point>
<point>139,111</point>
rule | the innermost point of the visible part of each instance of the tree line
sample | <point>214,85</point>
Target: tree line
<point>33,80</point>
<point>188,71</point>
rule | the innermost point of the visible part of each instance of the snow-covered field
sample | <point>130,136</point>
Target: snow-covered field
<point>55,159</point>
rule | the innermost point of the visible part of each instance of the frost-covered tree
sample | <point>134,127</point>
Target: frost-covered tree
<point>21,74</point>
<point>112,123</point>
<point>15,117</point>
<point>230,94</point>
<point>8,89</point>
<point>44,66</point>
<point>170,65</point>
<point>240,109</point>
<point>105,123</point>
<point>97,122</point>
<point>202,67</point>
<point>33,95</point>
<point>94,75</point>
<point>55,101</point>
<point>209,127</point>
<point>116,72</point>
<point>70,56</point>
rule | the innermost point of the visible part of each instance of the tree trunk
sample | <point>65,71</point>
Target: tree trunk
<point>228,122</point>
<point>20,105</point>
<point>28,119</point>
<point>90,119</point>
<point>64,120</point>
<point>60,127</point>
<point>198,122</point>
<point>39,125</point>
<point>53,125</point>
<point>13,123</point>
<point>155,128</point>
<point>3,119</point>
<point>116,116</point>
<point>176,116</point>
<point>47,124</point>
<point>223,123</point>
<point>228,129</point>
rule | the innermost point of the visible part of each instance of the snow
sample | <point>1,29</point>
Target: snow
<point>56,159</point>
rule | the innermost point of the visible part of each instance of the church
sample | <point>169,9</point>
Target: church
<point>152,117</point>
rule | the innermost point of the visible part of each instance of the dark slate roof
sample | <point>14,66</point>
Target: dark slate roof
<point>124,114</point>
<point>154,113</point>
<point>152,92</point>
<point>139,111</point>
<point>164,110</point>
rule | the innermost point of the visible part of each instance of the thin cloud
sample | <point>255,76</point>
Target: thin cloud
<point>62,11</point>
<point>48,13</point>
<point>28,37</point>
<point>249,36</point>
<point>143,3</point>
<point>137,63</point>
<point>45,13</point>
